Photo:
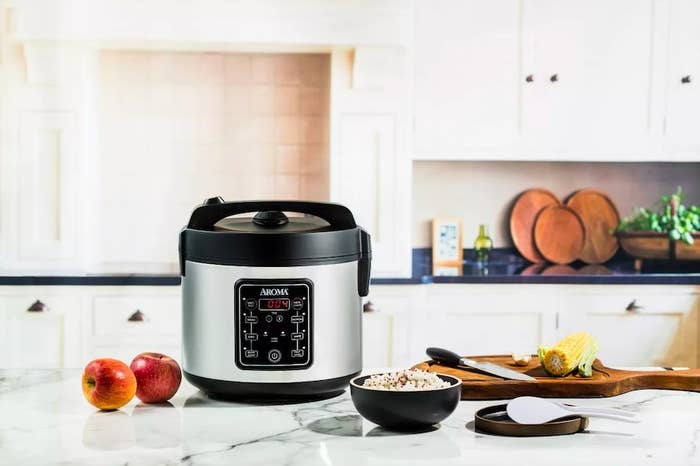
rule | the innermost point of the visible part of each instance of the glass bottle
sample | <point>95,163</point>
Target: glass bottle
<point>483,244</point>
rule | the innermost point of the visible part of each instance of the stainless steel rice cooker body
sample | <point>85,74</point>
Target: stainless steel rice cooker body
<point>272,304</point>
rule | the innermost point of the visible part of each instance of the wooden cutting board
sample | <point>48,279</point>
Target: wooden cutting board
<point>522,221</point>
<point>559,234</point>
<point>599,216</point>
<point>603,383</point>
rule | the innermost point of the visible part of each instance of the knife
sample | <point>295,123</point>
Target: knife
<point>449,358</point>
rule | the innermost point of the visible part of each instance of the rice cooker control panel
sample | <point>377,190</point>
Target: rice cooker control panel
<point>273,324</point>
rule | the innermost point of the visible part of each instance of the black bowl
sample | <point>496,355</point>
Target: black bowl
<point>406,410</point>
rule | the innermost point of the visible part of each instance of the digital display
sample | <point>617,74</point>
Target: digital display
<point>273,304</point>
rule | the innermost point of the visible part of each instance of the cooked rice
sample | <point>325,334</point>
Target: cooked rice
<point>408,380</point>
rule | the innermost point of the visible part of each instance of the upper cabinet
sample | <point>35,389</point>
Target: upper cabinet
<point>589,90</point>
<point>557,80</point>
<point>466,76</point>
<point>682,124</point>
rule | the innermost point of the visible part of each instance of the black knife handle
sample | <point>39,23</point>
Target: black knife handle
<point>444,356</point>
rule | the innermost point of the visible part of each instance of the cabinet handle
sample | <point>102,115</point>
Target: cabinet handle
<point>686,79</point>
<point>137,316</point>
<point>38,306</point>
<point>554,78</point>
<point>369,306</point>
<point>529,78</point>
<point>633,307</point>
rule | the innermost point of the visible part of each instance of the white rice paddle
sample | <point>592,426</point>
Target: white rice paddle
<point>533,410</point>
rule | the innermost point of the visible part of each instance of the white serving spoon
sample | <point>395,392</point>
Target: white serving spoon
<point>533,410</point>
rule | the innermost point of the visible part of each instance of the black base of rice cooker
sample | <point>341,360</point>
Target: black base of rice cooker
<point>272,303</point>
<point>317,389</point>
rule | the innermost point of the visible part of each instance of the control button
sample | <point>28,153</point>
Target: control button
<point>297,304</point>
<point>274,355</point>
<point>297,353</point>
<point>268,318</point>
<point>251,336</point>
<point>297,336</point>
<point>251,319</point>
<point>251,353</point>
<point>296,319</point>
<point>250,304</point>
<point>279,318</point>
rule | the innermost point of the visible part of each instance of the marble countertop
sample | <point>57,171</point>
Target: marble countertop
<point>45,420</point>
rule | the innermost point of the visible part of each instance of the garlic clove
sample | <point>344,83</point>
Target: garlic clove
<point>521,359</point>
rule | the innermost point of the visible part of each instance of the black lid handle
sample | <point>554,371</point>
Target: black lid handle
<point>206,215</point>
<point>443,356</point>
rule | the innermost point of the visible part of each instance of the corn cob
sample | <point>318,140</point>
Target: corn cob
<point>585,365</point>
<point>577,350</point>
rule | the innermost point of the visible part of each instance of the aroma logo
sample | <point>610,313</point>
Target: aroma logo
<point>274,292</point>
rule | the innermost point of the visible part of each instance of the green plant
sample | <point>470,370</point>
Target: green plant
<point>668,215</point>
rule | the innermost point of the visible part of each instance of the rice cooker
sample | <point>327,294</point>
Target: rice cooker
<point>271,301</point>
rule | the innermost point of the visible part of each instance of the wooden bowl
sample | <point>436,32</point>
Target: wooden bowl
<point>653,245</point>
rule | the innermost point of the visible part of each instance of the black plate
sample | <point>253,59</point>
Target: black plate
<point>407,410</point>
<point>495,420</point>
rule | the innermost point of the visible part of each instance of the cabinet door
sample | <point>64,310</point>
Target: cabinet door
<point>369,182</point>
<point>494,320</point>
<point>636,328</point>
<point>377,340</point>
<point>466,71</point>
<point>48,176</point>
<point>387,334</point>
<point>591,65</point>
<point>683,77</point>
<point>124,323</point>
<point>40,340</point>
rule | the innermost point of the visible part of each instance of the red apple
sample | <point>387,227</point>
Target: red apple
<point>158,377</point>
<point>108,383</point>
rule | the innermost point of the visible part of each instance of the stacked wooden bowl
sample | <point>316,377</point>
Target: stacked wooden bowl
<point>546,230</point>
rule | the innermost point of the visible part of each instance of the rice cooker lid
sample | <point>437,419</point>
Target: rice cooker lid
<point>324,234</point>
<point>273,222</point>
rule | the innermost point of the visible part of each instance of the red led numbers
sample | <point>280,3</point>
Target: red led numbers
<point>274,304</point>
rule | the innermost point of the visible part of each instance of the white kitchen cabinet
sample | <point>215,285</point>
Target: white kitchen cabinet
<point>500,319</point>
<point>682,124</point>
<point>48,339</point>
<point>466,76</point>
<point>552,80</point>
<point>133,316</point>
<point>590,88</point>
<point>388,338</point>
<point>377,339</point>
<point>127,321</point>
<point>491,319</point>
<point>86,322</point>
<point>636,326</point>
<point>370,168</point>
<point>48,169</point>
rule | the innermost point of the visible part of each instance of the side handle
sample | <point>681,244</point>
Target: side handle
<point>365,264</point>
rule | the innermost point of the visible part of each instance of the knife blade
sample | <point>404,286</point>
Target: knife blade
<point>449,358</point>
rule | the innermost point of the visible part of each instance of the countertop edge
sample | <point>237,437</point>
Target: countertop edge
<point>174,280</point>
